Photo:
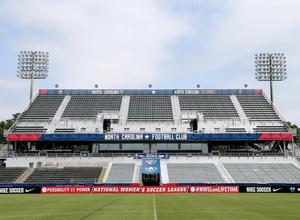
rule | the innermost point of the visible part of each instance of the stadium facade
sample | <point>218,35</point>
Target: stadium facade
<point>149,121</point>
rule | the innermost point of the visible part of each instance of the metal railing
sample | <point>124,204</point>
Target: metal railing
<point>171,155</point>
<point>21,114</point>
<point>277,112</point>
<point>256,155</point>
<point>4,150</point>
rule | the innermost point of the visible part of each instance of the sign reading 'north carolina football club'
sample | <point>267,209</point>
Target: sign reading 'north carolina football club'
<point>145,137</point>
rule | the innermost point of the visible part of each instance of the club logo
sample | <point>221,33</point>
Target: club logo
<point>29,190</point>
<point>151,169</point>
<point>293,189</point>
<point>150,162</point>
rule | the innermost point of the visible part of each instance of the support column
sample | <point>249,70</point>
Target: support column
<point>293,148</point>
<point>284,149</point>
<point>28,145</point>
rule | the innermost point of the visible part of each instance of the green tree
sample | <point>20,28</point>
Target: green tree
<point>4,125</point>
<point>294,126</point>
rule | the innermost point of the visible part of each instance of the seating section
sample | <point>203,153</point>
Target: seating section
<point>235,130</point>
<point>121,173</point>
<point>263,172</point>
<point>257,108</point>
<point>29,129</point>
<point>76,113</point>
<point>10,174</point>
<point>43,107</point>
<point>211,106</point>
<point>64,130</point>
<point>88,106</point>
<point>194,173</point>
<point>150,107</point>
<point>262,129</point>
<point>65,175</point>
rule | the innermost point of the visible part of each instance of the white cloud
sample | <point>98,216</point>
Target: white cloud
<point>225,56</point>
<point>246,27</point>
<point>14,96</point>
<point>256,26</point>
<point>131,43</point>
<point>113,43</point>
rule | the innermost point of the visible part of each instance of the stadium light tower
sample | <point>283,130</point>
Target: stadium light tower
<point>33,65</point>
<point>270,67</point>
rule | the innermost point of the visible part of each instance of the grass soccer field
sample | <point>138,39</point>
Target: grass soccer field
<point>151,207</point>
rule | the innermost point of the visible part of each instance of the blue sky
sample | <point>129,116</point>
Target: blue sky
<point>169,43</point>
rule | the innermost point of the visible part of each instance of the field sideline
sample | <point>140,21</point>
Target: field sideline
<point>151,207</point>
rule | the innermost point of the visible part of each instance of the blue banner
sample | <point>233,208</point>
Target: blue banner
<point>150,166</point>
<point>151,91</point>
<point>147,137</point>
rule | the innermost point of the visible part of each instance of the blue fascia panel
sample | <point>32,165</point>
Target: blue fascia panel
<point>72,137</point>
<point>147,137</point>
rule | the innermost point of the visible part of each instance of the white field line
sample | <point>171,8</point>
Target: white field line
<point>154,208</point>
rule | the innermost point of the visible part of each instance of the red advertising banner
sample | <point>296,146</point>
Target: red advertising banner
<point>140,189</point>
<point>23,137</point>
<point>65,189</point>
<point>214,189</point>
<point>277,136</point>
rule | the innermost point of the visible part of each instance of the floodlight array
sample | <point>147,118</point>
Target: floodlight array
<point>270,67</point>
<point>33,65</point>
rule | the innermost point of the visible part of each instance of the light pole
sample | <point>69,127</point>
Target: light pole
<point>270,67</point>
<point>33,65</point>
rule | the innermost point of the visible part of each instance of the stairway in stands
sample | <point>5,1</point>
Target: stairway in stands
<point>176,109</point>
<point>238,107</point>
<point>61,108</point>
<point>124,109</point>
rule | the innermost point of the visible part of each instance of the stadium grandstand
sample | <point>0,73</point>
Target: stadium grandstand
<point>179,170</point>
<point>148,121</point>
<point>97,122</point>
<point>186,136</point>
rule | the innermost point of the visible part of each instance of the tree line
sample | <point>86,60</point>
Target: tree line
<point>5,125</point>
